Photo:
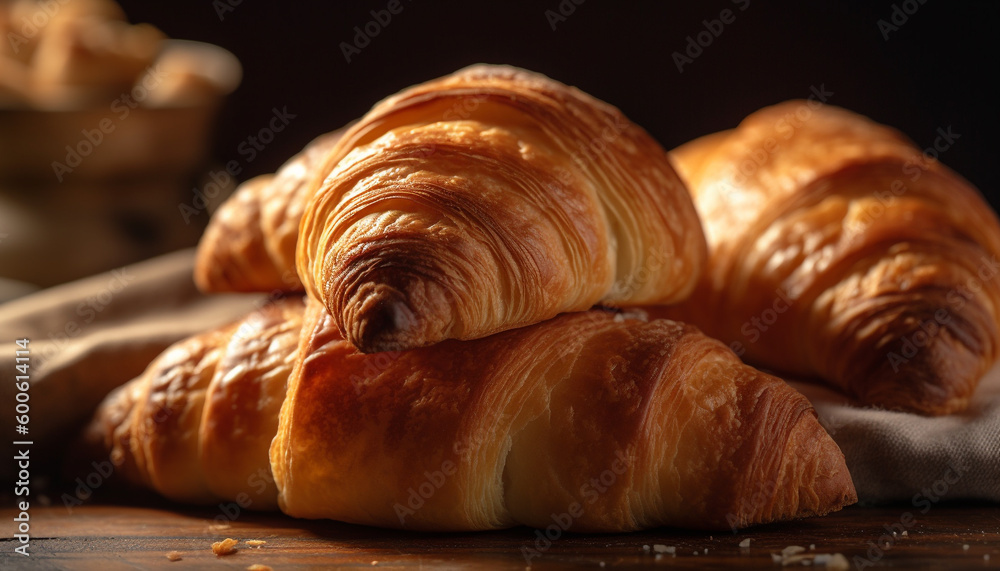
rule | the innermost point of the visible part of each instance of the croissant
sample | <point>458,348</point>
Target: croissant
<point>839,250</point>
<point>613,421</point>
<point>249,244</point>
<point>491,199</point>
<point>196,425</point>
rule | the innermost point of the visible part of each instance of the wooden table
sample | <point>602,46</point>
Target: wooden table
<point>110,537</point>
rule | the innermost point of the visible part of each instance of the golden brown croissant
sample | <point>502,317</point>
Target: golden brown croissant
<point>197,424</point>
<point>249,244</point>
<point>839,250</point>
<point>608,420</point>
<point>614,422</point>
<point>489,199</point>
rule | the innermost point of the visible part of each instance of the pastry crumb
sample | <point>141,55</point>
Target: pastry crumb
<point>812,547</point>
<point>174,556</point>
<point>832,561</point>
<point>668,549</point>
<point>745,542</point>
<point>792,550</point>
<point>255,542</point>
<point>259,567</point>
<point>225,547</point>
<point>905,533</point>
<point>965,546</point>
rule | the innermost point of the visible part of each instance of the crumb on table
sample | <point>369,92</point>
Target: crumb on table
<point>259,567</point>
<point>174,556</point>
<point>255,542</point>
<point>225,547</point>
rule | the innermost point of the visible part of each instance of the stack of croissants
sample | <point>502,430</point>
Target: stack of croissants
<point>493,300</point>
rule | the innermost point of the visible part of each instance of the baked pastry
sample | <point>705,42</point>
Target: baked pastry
<point>75,54</point>
<point>490,199</point>
<point>196,425</point>
<point>618,422</point>
<point>839,250</point>
<point>249,244</point>
<point>609,420</point>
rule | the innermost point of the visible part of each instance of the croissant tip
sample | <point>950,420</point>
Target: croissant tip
<point>828,486</point>
<point>385,324</point>
<point>935,379</point>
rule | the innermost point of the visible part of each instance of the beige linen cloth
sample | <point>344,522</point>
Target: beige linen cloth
<point>119,321</point>
<point>897,456</point>
<point>92,335</point>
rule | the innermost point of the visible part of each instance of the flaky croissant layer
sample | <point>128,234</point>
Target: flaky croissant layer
<point>196,425</point>
<point>491,199</point>
<point>628,424</point>
<point>613,421</point>
<point>837,249</point>
<point>249,244</point>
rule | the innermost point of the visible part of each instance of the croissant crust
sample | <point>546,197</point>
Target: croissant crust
<point>639,424</point>
<point>491,199</point>
<point>838,249</point>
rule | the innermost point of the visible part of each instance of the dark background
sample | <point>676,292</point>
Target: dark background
<point>935,71</point>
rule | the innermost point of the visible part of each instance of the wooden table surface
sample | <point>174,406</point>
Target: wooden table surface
<point>110,537</point>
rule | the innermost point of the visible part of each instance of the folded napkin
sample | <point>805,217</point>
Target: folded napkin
<point>87,337</point>
<point>95,334</point>
<point>897,456</point>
